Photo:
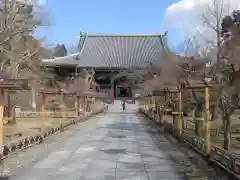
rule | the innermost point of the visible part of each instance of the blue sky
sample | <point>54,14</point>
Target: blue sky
<point>70,17</point>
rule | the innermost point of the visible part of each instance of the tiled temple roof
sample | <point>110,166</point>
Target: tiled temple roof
<point>116,51</point>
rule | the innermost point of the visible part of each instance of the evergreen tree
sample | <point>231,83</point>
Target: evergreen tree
<point>228,21</point>
<point>60,51</point>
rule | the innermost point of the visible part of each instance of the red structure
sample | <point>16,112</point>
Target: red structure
<point>112,95</point>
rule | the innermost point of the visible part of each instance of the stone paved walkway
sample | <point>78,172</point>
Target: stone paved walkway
<point>114,146</point>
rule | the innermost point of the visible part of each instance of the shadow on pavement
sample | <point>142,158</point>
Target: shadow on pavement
<point>4,177</point>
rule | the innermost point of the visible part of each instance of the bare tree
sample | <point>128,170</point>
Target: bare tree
<point>211,19</point>
<point>230,79</point>
<point>191,65</point>
<point>84,83</point>
<point>18,45</point>
<point>17,23</point>
<point>20,52</point>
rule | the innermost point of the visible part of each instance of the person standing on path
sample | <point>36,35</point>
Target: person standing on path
<point>123,105</point>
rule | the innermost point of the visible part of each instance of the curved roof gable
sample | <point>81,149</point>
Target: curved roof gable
<point>66,60</point>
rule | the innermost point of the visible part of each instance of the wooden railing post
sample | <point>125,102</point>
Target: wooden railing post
<point>207,118</point>
<point>1,128</point>
<point>180,115</point>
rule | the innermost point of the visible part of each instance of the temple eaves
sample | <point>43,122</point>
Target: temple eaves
<point>62,61</point>
<point>114,51</point>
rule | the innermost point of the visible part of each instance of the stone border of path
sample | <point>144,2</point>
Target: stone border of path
<point>28,141</point>
<point>218,156</point>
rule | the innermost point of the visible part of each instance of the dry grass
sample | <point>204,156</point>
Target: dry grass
<point>216,126</point>
<point>26,126</point>
<point>29,126</point>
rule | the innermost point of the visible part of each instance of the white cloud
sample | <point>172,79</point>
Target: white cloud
<point>39,2</point>
<point>186,14</point>
<point>42,2</point>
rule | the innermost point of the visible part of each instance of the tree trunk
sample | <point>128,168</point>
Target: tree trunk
<point>198,123</point>
<point>160,114</point>
<point>197,127</point>
<point>161,117</point>
<point>10,109</point>
<point>8,104</point>
<point>227,137</point>
<point>213,112</point>
<point>199,119</point>
<point>184,125</point>
<point>175,121</point>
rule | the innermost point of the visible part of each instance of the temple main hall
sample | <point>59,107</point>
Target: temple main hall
<point>109,56</point>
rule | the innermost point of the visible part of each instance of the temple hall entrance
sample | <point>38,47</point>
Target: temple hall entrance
<point>123,91</point>
<point>122,87</point>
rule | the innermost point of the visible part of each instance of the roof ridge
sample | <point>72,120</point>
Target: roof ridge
<point>124,35</point>
<point>81,41</point>
<point>85,36</point>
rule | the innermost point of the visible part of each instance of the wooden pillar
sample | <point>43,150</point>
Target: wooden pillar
<point>85,104</point>
<point>161,113</point>
<point>8,104</point>
<point>153,107</point>
<point>112,95</point>
<point>43,112</point>
<point>13,115</point>
<point>112,91</point>
<point>1,119</point>
<point>64,106</point>
<point>63,109</point>
<point>180,113</point>
<point>175,114</point>
<point>34,106</point>
<point>89,104</point>
<point>77,102</point>
<point>148,105</point>
<point>207,118</point>
<point>116,91</point>
<point>157,110</point>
